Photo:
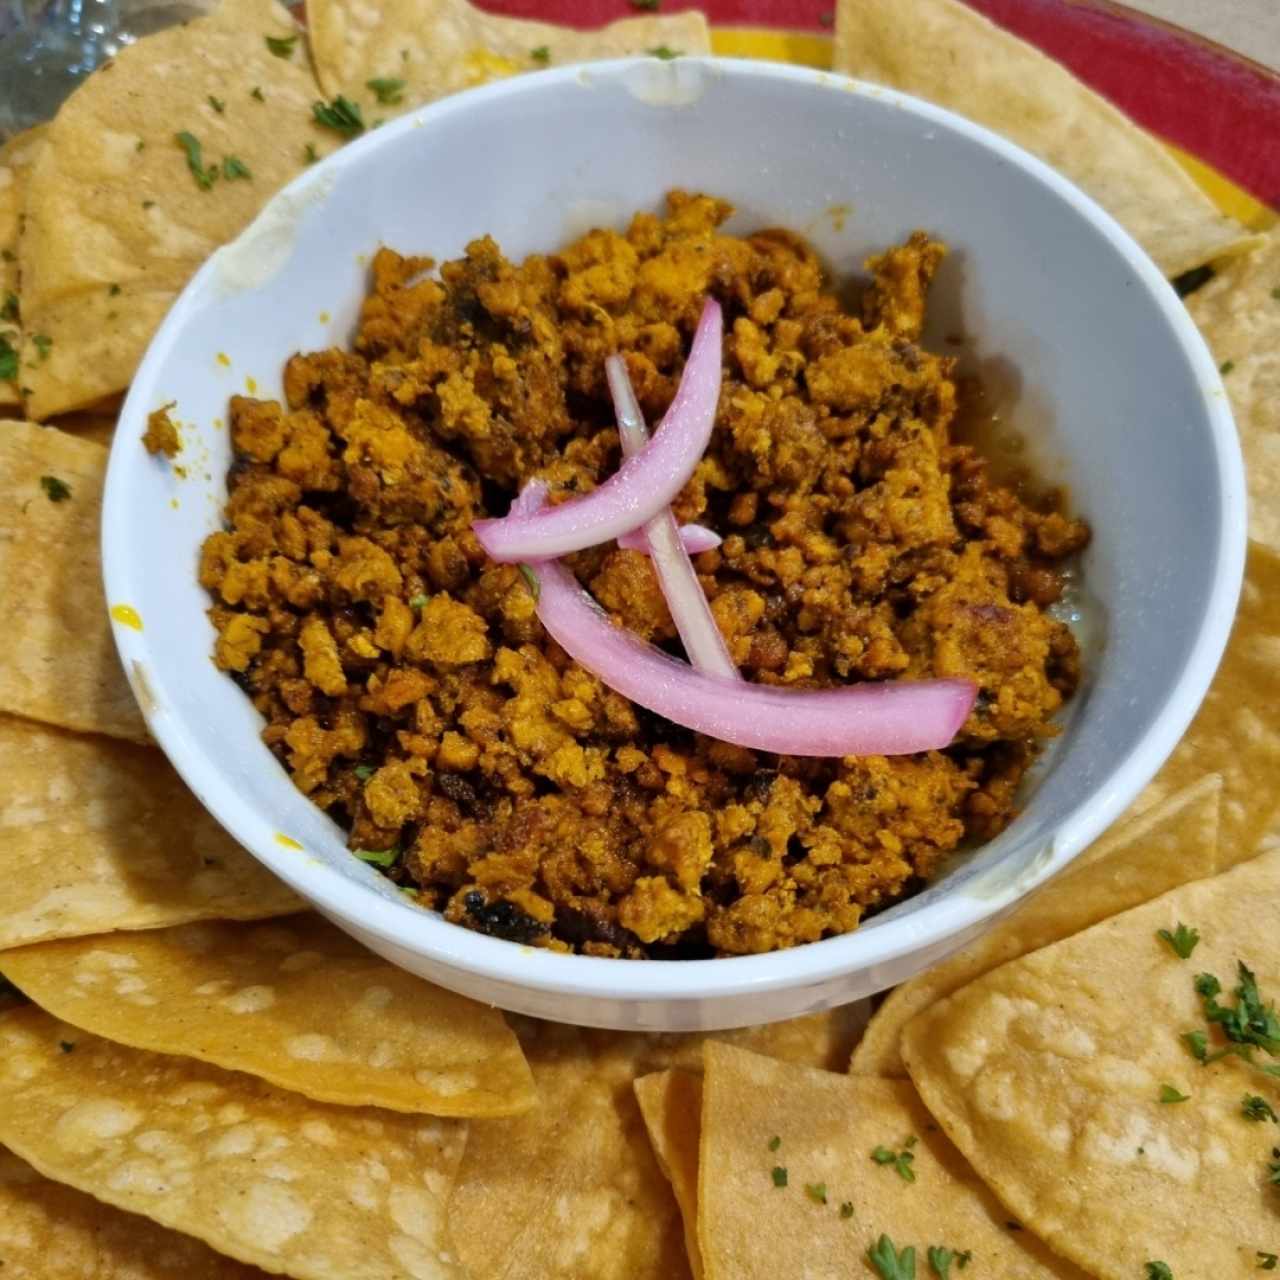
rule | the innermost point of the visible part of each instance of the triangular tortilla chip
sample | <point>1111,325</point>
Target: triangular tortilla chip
<point>48,1230</point>
<point>101,835</point>
<point>943,51</point>
<point>269,1177</point>
<point>572,1187</point>
<point>15,158</point>
<point>1173,843</point>
<point>1050,1074</point>
<point>671,1104</point>
<point>297,1002</point>
<point>1238,312</point>
<point>1237,730</point>
<point>98,273</point>
<point>60,663</point>
<point>420,50</point>
<point>830,1200</point>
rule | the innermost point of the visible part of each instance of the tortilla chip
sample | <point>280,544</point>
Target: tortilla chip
<point>101,835</point>
<point>572,1188</point>
<point>15,158</point>
<point>60,664</point>
<point>296,1002</point>
<point>430,48</point>
<point>1238,312</point>
<point>1169,845</point>
<point>1047,1073</point>
<point>671,1105</point>
<point>1237,730</point>
<point>826,1126</point>
<point>49,1230</point>
<point>260,1174</point>
<point>943,51</point>
<point>97,275</point>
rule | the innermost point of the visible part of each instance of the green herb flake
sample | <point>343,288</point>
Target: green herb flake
<point>281,46</point>
<point>205,178</point>
<point>54,489</point>
<point>217,104</point>
<point>1183,940</point>
<point>67,1046</point>
<point>1273,1168</point>
<point>1275,293</point>
<point>233,167</point>
<point>1159,1271</point>
<point>341,115</point>
<point>664,52</point>
<point>816,1191</point>
<point>8,255</point>
<point>1169,1094</point>
<point>1197,1044</point>
<point>940,1260</point>
<point>1254,1107</point>
<point>1247,1024</point>
<point>775,1142</point>
<point>388,91</point>
<point>418,602</point>
<point>779,1175</point>
<point>140,145</point>
<point>256,92</point>
<point>9,311</point>
<point>8,360</point>
<point>310,155</point>
<point>113,291</point>
<point>43,345</point>
<point>889,1263</point>
<point>846,1209</point>
<point>541,55</point>
<point>364,772</point>
<point>1267,1261</point>
<point>1226,366</point>
<point>148,204</point>
<point>379,857</point>
<point>900,1160</point>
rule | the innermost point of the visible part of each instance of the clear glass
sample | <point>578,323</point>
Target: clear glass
<point>48,46</point>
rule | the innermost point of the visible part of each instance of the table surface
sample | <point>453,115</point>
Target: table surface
<point>1251,26</point>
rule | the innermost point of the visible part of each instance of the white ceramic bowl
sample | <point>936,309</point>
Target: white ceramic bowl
<point>1118,393</point>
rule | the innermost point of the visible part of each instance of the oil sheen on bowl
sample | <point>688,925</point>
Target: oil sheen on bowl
<point>1124,400</point>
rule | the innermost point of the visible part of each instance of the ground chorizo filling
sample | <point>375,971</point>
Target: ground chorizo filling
<point>411,692</point>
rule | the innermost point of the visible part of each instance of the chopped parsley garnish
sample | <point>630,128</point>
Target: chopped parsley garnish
<point>779,1175</point>
<point>1169,1094</point>
<point>341,115</point>
<point>889,1263</point>
<point>419,602</point>
<point>775,1142</point>
<point>1273,1168</point>
<point>940,1260</point>
<point>140,145</point>
<point>816,1191</point>
<point>205,178</point>
<point>310,155</point>
<point>113,291</point>
<point>8,255</point>
<point>281,46</point>
<point>67,1046</point>
<point>901,1160</point>
<point>10,309</point>
<point>8,360</point>
<point>1197,1045</point>
<point>364,772</point>
<point>541,54</point>
<point>1254,1107</point>
<point>1226,366</point>
<point>1248,1023</point>
<point>233,167</point>
<point>1275,293</point>
<point>666,54</point>
<point>256,92</point>
<point>1159,1271</point>
<point>217,104</point>
<point>1267,1261</point>
<point>379,857</point>
<point>148,204</point>
<point>54,489</point>
<point>1183,940</point>
<point>43,344</point>
<point>846,1209</point>
<point>389,92</point>
<point>646,6</point>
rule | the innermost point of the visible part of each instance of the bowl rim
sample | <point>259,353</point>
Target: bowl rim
<point>879,943</point>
